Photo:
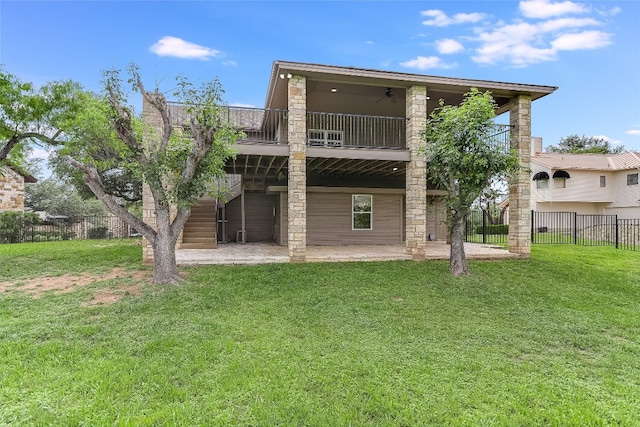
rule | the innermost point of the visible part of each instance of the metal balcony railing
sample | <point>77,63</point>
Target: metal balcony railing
<point>351,130</point>
<point>500,137</point>
<point>259,125</point>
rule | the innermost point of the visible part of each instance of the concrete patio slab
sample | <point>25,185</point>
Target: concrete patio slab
<point>266,253</point>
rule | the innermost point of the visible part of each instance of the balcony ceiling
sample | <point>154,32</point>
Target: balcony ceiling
<point>275,168</point>
<point>362,91</point>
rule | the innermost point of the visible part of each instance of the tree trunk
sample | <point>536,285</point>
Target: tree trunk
<point>165,269</point>
<point>457,258</point>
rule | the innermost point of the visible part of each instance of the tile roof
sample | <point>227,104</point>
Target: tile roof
<point>622,161</point>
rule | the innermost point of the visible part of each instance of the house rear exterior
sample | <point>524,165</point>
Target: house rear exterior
<point>334,159</point>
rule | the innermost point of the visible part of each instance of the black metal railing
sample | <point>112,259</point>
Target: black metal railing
<point>557,228</point>
<point>487,226</point>
<point>500,137</point>
<point>260,125</point>
<point>585,230</point>
<point>358,131</point>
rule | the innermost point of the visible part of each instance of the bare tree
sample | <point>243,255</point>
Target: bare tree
<point>177,166</point>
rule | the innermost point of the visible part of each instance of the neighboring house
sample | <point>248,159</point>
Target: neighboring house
<point>586,183</point>
<point>334,159</point>
<point>12,188</point>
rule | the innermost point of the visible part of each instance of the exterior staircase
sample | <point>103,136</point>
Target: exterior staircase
<point>200,230</point>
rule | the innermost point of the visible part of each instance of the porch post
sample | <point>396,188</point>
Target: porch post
<point>297,186</point>
<point>519,186</point>
<point>416,177</point>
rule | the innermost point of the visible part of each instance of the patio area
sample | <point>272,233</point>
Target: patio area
<point>265,253</point>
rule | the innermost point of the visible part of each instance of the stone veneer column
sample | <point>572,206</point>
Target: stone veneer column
<point>153,127</point>
<point>519,187</point>
<point>11,190</point>
<point>416,185</point>
<point>297,187</point>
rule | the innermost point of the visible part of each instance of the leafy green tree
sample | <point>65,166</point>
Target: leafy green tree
<point>462,160</point>
<point>32,115</point>
<point>177,166</point>
<point>574,144</point>
<point>59,198</point>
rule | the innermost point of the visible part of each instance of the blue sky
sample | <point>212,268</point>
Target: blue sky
<point>590,50</point>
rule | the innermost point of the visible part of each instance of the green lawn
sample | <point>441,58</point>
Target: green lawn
<point>553,340</point>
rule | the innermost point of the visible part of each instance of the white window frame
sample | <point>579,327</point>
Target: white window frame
<point>353,212</point>
<point>560,182</point>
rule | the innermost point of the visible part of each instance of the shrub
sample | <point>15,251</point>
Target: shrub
<point>97,233</point>
<point>494,229</point>
<point>14,225</point>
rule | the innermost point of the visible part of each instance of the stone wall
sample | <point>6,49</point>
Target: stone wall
<point>11,190</point>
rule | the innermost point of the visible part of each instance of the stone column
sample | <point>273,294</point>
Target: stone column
<point>416,185</point>
<point>519,186</point>
<point>297,187</point>
<point>153,128</point>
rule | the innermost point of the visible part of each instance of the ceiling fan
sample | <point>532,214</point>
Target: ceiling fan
<point>388,95</point>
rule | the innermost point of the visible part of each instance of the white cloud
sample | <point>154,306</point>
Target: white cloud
<point>240,104</point>
<point>369,42</point>
<point>425,63</point>
<point>230,63</point>
<point>633,132</point>
<point>176,47</point>
<point>526,43</point>
<point>583,40</point>
<point>611,12</point>
<point>546,9</point>
<point>440,19</point>
<point>448,46</point>
<point>39,153</point>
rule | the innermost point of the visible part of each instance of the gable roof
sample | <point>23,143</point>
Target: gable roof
<point>604,162</point>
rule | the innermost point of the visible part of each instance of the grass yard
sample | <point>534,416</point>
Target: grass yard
<point>553,340</point>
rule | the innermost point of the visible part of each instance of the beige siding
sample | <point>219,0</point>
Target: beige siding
<point>259,219</point>
<point>329,220</point>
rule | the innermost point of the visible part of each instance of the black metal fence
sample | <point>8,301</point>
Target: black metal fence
<point>52,229</point>
<point>487,226</point>
<point>585,230</point>
<point>558,228</point>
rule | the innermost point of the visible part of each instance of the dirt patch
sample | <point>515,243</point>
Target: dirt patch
<point>69,283</point>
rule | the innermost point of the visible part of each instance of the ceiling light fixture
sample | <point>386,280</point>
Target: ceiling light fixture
<point>334,90</point>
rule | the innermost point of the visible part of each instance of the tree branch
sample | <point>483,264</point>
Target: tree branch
<point>93,181</point>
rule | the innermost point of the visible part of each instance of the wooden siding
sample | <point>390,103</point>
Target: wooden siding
<point>259,219</point>
<point>329,220</point>
<point>436,218</point>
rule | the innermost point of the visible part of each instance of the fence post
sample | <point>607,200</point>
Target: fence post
<point>616,231</point>
<point>484,226</point>
<point>575,228</point>
<point>532,225</point>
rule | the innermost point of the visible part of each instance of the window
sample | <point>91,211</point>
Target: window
<point>542,183</point>
<point>632,179</point>
<point>361,212</point>
<point>560,182</point>
<point>603,181</point>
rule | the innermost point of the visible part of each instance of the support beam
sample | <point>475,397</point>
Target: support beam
<point>297,188</point>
